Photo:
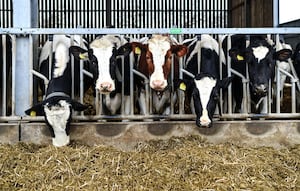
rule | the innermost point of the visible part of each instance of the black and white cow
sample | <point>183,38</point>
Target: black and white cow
<point>260,54</point>
<point>57,105</point>
<point>205,87</point>
<point>107,69</point>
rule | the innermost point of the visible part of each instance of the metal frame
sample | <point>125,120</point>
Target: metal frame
<point>31,32</point>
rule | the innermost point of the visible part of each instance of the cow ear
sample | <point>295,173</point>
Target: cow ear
<point>179,50</point>
<point>78,106</point>
<point>182,84</point>
<point>137,47</point>
<point>36,110</point>
<point>283,54</point>
<point>79,53</point>
<point>124,50</point>
<point>236,55</point>
<point>225,82</point>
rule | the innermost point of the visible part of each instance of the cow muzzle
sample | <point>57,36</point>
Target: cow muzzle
<point>106,87</point>
<point>158,85</point>
<point>260,90</point>
<point>204,120</point>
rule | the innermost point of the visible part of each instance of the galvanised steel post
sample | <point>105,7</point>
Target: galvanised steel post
<point>23,17</point>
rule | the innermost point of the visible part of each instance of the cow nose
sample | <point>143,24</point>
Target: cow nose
<point>105,87</point>
<point>261,90</point>
<point>157,84</point>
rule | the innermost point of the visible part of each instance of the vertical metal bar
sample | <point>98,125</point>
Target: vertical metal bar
<point>131,60</point>
<point>181,93</point>
<point>275,13</point>
<point>278,85</point>
<point>122,93</point>
<point>81,75</point>
<point>293,92</point>
<point>13,65</point>
<point>72,69</point>
<point>4,88</point>
<point>172,92</point>
<point>229,74</point>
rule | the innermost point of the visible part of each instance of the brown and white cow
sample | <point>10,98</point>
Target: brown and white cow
<point>155,60</point>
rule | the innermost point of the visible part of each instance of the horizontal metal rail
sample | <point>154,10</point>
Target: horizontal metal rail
<point>27,31</point>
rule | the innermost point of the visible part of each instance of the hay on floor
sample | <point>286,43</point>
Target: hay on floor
<point>177,164</point>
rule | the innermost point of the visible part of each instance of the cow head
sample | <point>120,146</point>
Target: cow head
<point>156,59</point>
<point>261,58</point>
<point>205,92</point>
<point>102,56</point>
<point>57,111</point>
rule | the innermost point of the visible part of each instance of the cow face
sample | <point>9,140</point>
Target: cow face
<point>205,93</point>
<point>261,58</point>
<point>57,112</point>
<point>102,56</point>
<point>156,59</point>
<point>206,96</point>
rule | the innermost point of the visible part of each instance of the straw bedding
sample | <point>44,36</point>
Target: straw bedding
<point>176,164</point>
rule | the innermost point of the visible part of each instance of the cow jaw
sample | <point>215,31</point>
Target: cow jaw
<point>205,87</point>
<point>58,117</point>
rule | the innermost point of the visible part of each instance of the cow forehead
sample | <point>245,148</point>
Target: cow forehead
<point>260,52</point>
<point>159,45</point>
<point>102,44</point>
<point>205,82</point>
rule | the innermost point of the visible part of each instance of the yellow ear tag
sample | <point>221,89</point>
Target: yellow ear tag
<point>239,57</point>
<point>82,56</point>
<point>182,86</point>
<point>32,113</point>
<point>137,50</point>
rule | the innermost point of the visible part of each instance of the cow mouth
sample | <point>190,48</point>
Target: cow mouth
<point>203,125</point>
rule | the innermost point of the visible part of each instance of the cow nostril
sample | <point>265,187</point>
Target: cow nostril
<point>157,83</point>
<point>105,86</point>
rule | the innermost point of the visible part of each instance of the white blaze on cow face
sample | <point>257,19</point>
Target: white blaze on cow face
<point>61,60</point>
<point>57,117</point>
<point>260,52</point>
<point>158,46</point>
<point>205,87</point>
<point>103,50</point>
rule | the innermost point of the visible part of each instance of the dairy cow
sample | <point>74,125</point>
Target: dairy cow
<point>107,69</point>
<point>50,44</point>
<point>155,60</point>
<point>57,105</point>
<point>203,89</point>
<point>260,55</point>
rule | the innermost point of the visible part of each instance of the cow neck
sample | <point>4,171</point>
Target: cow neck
<point>53,94</point>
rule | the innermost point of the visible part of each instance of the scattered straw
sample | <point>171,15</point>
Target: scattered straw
<point>176,164</point>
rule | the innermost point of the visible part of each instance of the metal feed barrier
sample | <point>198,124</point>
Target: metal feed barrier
<point>8,112</point>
